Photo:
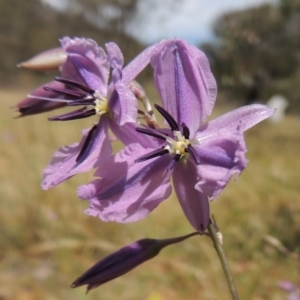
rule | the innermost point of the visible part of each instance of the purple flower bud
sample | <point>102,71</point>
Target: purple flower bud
<point>124,260</point>
<point>32,105</point>
<point>45,61</point>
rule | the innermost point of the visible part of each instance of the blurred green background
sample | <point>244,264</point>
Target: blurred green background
<point>46,241</point>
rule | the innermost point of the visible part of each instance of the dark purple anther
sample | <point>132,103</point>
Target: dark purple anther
<point>172,163</point>
<point>74,83</point>
<point>171,121</point>
<point>85,150</point>
<point>185,131</point>
<point>189,149</point>
<point>74,115</point>
<point>65,92</point>
<point>155,153</point>
<point>150,132</point>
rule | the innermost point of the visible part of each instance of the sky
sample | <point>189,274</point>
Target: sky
<point>188,19</point>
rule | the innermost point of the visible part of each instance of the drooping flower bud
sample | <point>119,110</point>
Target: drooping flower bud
<point>45,61</point>
<point>33,104</point>
<point>124,260</point>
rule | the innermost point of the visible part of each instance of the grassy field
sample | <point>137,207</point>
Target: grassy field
<point>46,241</point>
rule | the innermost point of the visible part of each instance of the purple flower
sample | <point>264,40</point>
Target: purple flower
<point>294,291</point>
<point>84,82</point>
<point>200,157</point>
<point>124,260</point>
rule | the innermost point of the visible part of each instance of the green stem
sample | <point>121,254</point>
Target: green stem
<point>224,262</point>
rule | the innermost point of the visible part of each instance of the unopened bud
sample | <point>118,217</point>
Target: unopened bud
<point>124,260</point>
<point>140,94</point>
<point>45,61</point>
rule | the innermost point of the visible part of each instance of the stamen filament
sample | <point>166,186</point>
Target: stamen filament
<point>49,99</point>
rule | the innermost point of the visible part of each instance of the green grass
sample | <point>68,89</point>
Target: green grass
<point>47,241</point>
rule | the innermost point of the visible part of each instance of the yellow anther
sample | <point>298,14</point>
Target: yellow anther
<point>101,104</point>
<point>179,147</point>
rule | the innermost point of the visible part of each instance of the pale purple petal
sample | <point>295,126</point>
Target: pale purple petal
<point>221,147</point>
<point>185,82</point>
<point>123,104</point>
<point>286,285</point>
<point>193,203</point>
<point>63,164</point>
<point>220,158</point>
<point>244,117</point>
<point>86,63</point>
<point>128,191</point>
<point>295,295</point>
<point>138,64</point>
<point>115,56</point>
<point>128,135</point>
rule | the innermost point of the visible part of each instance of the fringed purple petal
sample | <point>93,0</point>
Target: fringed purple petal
<point>127,191</point>
<point>221,147</point>
<point>31,106</point>
<point>123,104</point>
<point>185,82</point>
<point>86,63</point>
<point>138,64</point>
<point>244,118</point>
<point>193,203</point>
<point>128,135</point>
<point>220,158</point>
<point>63,165</point>
<point>115,56</point>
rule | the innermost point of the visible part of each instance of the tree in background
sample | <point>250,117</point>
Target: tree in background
<point>30,27</point>
<point>257,52</point>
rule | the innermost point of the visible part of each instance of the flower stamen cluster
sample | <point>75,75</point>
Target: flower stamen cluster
<point>101,104</point>
<point>179,144</point>
<point>83,95</point>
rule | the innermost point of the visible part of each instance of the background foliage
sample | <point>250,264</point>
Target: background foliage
<point>257,53</point>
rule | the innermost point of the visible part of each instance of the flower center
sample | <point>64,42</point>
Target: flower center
<point>100,103</point>
<point>179,145</point>
<point>80,95</point>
